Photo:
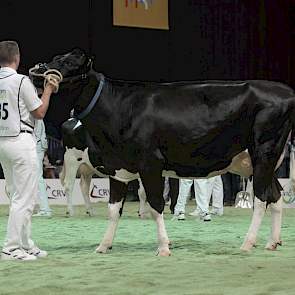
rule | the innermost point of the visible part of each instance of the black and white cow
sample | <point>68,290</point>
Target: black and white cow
<point>181,129</point>
<point>76,162</point>
<point>76,159</point>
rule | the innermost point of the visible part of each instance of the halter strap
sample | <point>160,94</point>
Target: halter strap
<point>75,78</point>
<point>94,98</point>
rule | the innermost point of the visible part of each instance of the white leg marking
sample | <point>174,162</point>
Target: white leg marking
<point>71,166</point>
<point>276,222</point>
<point>250,239</point>
<point>108,238</point>
<point>162,234</point>
<point>85,187</point>
<point>142,201</point>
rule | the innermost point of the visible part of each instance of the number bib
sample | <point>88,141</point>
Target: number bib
<point>9,105</point>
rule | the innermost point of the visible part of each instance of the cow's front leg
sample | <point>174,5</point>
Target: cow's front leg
<point>117,196</point>
<point>163,240</point>
<point>250,239</point>
<point>114,215</point>
<point>68,177</point>
<point>153,184</point>
<point>69,186</point>
<point>276,222</point>
<point>85,186</point>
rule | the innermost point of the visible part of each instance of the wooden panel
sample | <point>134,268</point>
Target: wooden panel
<point>144,14</point>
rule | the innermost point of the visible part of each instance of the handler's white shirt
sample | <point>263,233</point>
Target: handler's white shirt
<point>28,98</point>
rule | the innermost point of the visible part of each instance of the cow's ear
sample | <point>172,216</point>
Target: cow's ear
<point>78,51</point>
<point>90,62</point>
<point>92,57</point>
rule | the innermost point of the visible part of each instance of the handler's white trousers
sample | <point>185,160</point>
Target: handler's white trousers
<point>166,189</point>
<point>204,188</point>
<point>18,157</point>
<point>42,193</point>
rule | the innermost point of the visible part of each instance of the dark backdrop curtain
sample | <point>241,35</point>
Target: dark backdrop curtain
<point>208,39</point>
<point>211,42</point>
<point>270,40</point>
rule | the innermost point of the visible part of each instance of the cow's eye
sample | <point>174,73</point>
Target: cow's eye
<point>69,63</point>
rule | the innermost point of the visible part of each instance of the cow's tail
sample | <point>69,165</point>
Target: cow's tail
<point>62,174</point>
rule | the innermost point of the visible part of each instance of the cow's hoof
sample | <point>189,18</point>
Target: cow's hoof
<point>272,246</point>
<point>170,244</point>
<point>90,213</point>
<point>69,214</point>
<point>103,249</point>
<point>163,252</point>
<point>142,215</point>
<point>247,246</point>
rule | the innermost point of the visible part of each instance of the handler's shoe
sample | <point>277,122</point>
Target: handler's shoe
<point>181,216</point>
<point>216,212</point>
<point>43,214</point>
<point>205,217</point>
<point>17,254</point>
<point>178,216</point>
<point>38,253</point>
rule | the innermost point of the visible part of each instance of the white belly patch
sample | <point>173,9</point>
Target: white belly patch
<point>241,165</point>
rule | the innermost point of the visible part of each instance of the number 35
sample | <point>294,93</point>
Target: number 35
<point>3,111</point>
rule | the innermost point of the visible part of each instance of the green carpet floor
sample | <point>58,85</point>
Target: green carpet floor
<point>205,256</point>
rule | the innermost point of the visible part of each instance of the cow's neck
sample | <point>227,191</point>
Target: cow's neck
<point>87,92</point>
<point>100,118</point>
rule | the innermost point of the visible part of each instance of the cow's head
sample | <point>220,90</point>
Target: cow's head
<point>73,66</point>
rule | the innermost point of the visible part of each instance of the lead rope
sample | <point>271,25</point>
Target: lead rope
<point>51,76</point>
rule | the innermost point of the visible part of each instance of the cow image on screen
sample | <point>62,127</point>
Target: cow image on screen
<point>181,129</point>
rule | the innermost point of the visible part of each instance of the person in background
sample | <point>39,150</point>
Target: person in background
<point>170,192</point>
<point>1,173</point>
<point>49,169</point>
<point>41,144</point>
<point>204,189</point>
<point>231,186</point>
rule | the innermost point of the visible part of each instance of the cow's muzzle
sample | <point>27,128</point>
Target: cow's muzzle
<point>40,75</point>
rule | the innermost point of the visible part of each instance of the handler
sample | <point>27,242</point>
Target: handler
<point>19,107</point>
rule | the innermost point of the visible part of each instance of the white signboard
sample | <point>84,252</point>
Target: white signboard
<point>245,198</point>
<point>99,192</point>
<point>287,194</point>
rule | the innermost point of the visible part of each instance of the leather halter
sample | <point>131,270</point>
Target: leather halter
<point>85,112</point>
<point>70,79</point>
<point>79,77</point>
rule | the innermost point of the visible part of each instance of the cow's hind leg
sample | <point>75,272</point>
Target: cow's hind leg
<point>250,239</point>
<point>153,184</point>
<point>117,197</point>
<point>276,222</point>
<point>142,201</point>
<point>265,152</point>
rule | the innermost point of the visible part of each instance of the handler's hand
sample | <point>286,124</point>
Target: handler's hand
<point>52,85</point>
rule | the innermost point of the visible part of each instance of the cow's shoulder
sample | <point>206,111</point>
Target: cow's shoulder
<point>70,126</point>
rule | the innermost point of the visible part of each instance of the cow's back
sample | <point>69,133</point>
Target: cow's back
<point>192,127</point>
